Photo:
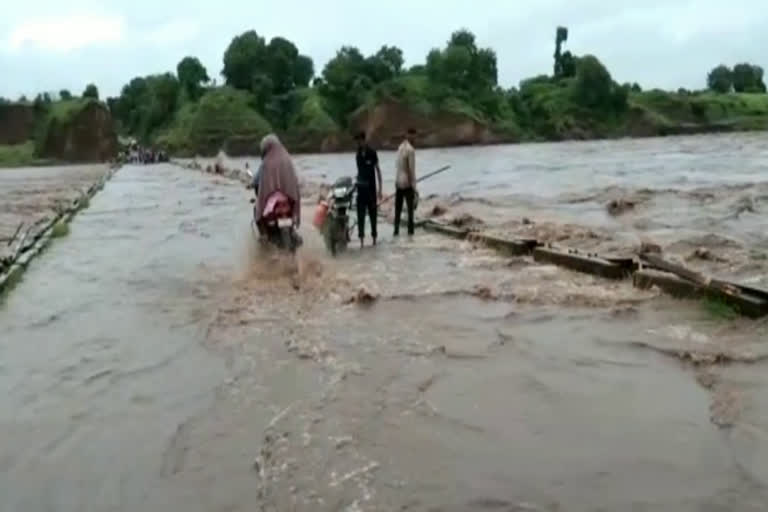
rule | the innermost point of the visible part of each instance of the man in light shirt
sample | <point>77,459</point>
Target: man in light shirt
<point>405,181</point>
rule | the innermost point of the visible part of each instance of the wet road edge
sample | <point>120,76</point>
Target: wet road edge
<point>14,272</point>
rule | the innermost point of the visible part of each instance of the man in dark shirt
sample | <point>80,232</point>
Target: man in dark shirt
<point>368,175</point>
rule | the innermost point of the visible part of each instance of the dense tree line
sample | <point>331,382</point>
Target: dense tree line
<point>276,77</point>
<point>278,86</point>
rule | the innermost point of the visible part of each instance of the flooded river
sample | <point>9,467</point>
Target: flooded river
<point>148,363</point>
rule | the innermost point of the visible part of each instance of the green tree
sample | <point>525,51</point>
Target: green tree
<point>345,82</point>
<point>39,102</point>
<point>593,87</point>
<point>620,97</point>
<point>748,78</point>
<point>163,98</point>
<point>286,67</point>
<point>265,69</point>
<point>462,66</point>
<point>385,64</point>
<point>91,91</point>
<point>147,104</point>
<point>245,57</point>
<point>64,94</point>
<point>568,64</point>
<point>449,69</point>
<point>561,36</point>
<point>759,85</point>
<point>129,105</point>
<point>463,71</point>
<point>720,79</point>
<point>281,59</point>
<point>42,99</point>
<point>192,75</point>
<point>112,104</point>
<point>303,70</point>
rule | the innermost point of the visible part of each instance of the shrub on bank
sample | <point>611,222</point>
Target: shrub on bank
<point>703,107</point>
<point>312,115</point>
<point>223,116</point>
<point>17,155</point>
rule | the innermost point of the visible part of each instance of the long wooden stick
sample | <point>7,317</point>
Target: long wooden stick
<point>442,169</point>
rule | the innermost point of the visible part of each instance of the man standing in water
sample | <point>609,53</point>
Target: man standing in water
<point>368,175</point>
<point>405,181</point>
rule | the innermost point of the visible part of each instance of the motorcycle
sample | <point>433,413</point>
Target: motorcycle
<point>336,221</point>
<point>277,226</point>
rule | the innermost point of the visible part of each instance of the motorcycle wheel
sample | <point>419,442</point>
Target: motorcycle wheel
<point>286,240</point>
<point>328,238</point>
<point>342,240</point>
<point>339,237</point>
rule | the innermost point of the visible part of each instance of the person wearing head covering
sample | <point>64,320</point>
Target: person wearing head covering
<point>276,172</point>
<point>405,181</point>
<point>368,172</point>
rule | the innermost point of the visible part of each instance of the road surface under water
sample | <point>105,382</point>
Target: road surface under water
<point>144,367</point>
<point>101,356</point>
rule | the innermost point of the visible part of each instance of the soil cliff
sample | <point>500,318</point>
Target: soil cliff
<point>17,123</point>
<point>86,134</point>
<point>386,123</point>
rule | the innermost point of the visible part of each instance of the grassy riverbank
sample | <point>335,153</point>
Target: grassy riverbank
<point>17,155</point>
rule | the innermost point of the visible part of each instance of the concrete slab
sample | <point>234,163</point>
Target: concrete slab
<point>589,264</point>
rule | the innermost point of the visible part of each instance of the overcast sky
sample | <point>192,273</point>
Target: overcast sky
<point>49,45</point>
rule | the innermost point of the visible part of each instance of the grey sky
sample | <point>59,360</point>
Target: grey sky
<point>49,45</point>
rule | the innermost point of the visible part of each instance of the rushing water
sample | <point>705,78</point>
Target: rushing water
<point>142,367</point>
<point>572,181</point>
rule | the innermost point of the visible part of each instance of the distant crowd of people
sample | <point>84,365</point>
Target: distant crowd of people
<point>136,154</point>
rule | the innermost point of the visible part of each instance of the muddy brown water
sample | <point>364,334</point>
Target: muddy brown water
<point>706,193</point>
<point>148,363</point>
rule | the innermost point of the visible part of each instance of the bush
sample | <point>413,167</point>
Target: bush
<point>594,86</point>
<point>17,155</point>
<point>222,114</point>
<point>312,115</point>
<point>61,229</point>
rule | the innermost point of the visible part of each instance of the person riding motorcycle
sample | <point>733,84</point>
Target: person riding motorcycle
<point>276,172</point>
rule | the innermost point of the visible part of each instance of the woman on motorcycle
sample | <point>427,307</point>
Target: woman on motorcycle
<point>276,172</point>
